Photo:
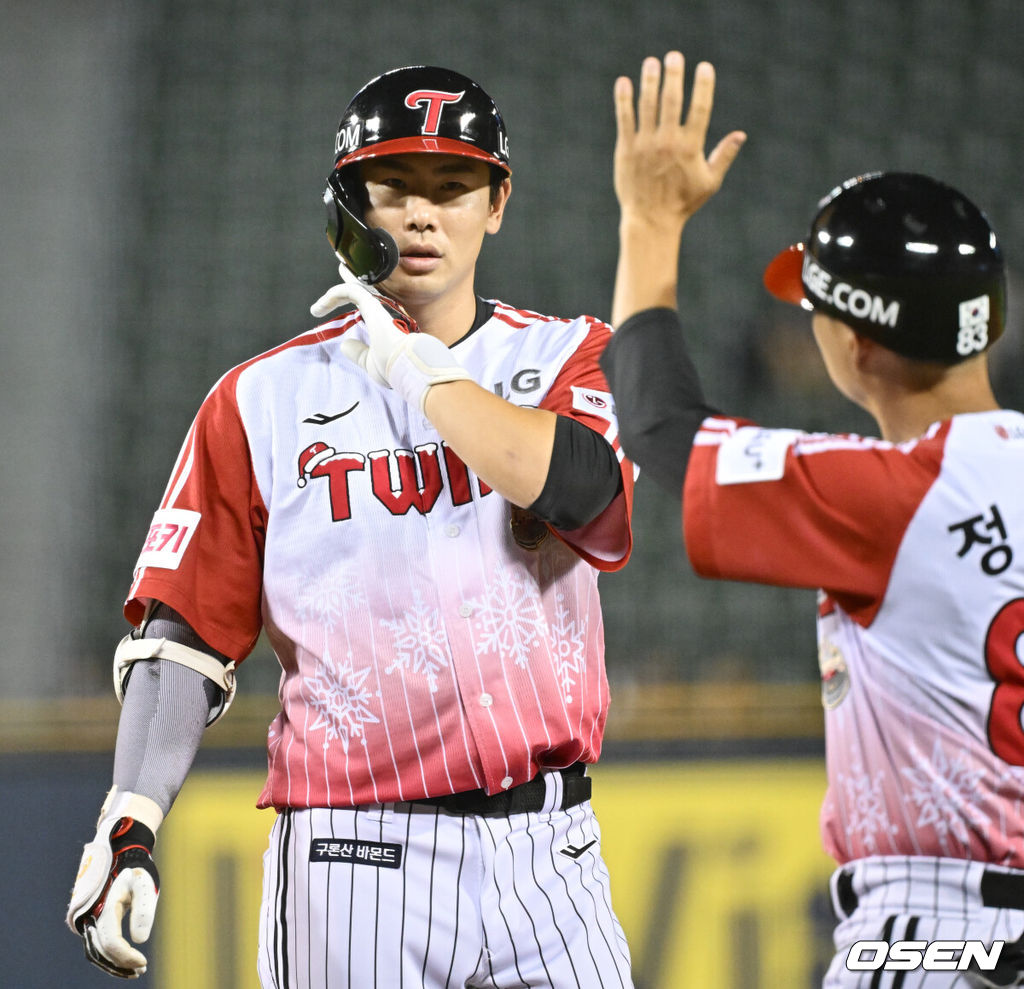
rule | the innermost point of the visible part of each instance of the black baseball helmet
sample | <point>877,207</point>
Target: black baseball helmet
<point>904,259</point>
<point>421,108</point>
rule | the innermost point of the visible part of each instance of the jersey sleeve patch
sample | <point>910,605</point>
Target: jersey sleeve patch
<point>593,402</point>
<point>753,454</point>
<point>170,532</point>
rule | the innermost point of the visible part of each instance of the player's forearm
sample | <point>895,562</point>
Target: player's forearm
<point>647,273</point>
<point>507,447</point>
<point>165,710</point>
<point>658,395</point>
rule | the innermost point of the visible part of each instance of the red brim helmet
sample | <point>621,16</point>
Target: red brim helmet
<point>782,276</point>
<point>903,259</point>
<point>422,108</point>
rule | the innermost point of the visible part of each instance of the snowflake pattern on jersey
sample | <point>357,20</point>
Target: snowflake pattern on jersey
<point>1010,786</point>
<point>946,793</point>
<point>419,642</point>
<point>508,619</point>
<point>323,598</point>
<point>570,647</point>
<point>867,817</point>
<point>340,700</point>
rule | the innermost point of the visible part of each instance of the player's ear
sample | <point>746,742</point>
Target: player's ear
<point>866,351</point>
<point>499,199</point>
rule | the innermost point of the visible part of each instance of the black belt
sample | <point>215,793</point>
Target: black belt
<point>1002,890</point>
<point>527,798</point>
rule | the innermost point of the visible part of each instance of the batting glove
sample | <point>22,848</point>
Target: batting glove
<point>398,355</point>
<point>117,875</point>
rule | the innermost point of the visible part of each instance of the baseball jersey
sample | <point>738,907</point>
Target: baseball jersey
<point>432,639</point>
<point>918,551</point>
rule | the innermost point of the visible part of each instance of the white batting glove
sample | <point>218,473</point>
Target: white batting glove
<point>398,355</point>
<point>117,875</point>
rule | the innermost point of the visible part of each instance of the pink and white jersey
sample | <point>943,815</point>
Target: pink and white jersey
<point>432,639</point>
<point>919,550</point>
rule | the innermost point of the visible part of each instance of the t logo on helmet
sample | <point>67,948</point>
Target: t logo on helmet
<point>435,102</point>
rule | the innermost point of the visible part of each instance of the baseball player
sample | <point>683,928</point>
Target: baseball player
<point>915,540</point>
<point>414,501</point>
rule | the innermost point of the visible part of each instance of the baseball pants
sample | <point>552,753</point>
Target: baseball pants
<point>409,895</point>
<point>921,899</point>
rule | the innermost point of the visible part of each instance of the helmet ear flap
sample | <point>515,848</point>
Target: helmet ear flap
<point>370,254</point>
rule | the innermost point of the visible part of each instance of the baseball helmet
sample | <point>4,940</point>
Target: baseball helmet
<point>419,108</point>
<point>903,259</point>
<point>422,108</point>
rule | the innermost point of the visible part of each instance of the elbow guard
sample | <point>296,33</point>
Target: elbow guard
<point>131,650</point>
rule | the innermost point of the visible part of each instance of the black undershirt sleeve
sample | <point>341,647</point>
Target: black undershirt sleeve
<point>659,401</point>
<point>582,480</point>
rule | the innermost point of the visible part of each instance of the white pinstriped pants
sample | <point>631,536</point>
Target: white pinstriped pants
<point>924,899</point>
<point>490,902</point>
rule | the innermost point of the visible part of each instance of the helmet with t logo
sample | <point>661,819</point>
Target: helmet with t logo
<point>419,108</point>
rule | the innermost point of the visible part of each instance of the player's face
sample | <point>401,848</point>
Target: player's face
<point>438,208</point>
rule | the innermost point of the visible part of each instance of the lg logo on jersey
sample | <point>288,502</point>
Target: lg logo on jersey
<point>937,956</point>
<point>523,382</point>
<point>399,479</point>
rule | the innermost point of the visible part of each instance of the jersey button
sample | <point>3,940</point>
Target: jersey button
<point>486,700</point>
<point>506,782</point>
<point>451,531</point>
<point>465,610</point>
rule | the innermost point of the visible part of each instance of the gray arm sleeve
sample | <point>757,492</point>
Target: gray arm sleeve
<point>164,714</point>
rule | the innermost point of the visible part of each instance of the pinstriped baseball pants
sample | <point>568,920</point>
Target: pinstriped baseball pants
<point>896,898</point>
<point>490,902</point>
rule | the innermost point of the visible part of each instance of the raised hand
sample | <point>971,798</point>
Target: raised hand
<point>661,173</point>
<point>662,176</point>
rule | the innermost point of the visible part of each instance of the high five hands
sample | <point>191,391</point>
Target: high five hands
<point>662,176</point>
